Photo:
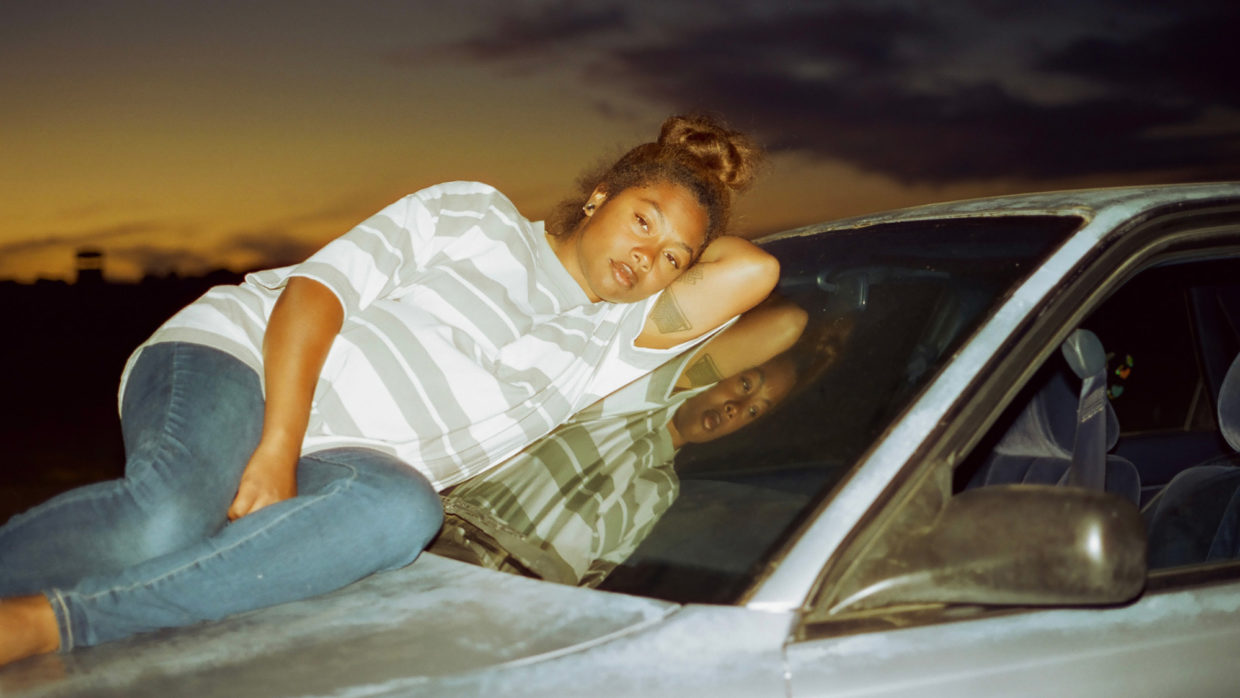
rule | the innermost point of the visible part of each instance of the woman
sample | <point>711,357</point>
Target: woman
<point>287,436</point>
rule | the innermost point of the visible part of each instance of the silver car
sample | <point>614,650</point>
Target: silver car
<point>1008,466</point>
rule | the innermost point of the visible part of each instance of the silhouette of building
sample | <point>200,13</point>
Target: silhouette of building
<point>89,266</point>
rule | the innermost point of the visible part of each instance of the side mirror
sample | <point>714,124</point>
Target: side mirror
<point>1027,545</point>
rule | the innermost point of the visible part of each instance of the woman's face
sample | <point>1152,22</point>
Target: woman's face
<point>633,244</point>
<point>734,402</point>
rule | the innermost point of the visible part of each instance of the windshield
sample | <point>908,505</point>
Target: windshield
<point>685,493</point>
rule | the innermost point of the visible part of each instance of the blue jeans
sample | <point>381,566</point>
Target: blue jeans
<point>155,549</point>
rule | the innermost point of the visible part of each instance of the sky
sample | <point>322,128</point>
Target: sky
<point>180,136</point>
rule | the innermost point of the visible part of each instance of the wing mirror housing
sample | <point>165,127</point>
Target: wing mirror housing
<point>1023,545</point>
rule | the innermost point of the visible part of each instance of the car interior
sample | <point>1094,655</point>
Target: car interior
<point>1166,373</point>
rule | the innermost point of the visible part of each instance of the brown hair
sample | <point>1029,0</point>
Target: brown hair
<point>697,152</point>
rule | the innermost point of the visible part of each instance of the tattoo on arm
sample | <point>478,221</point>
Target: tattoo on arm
<point>667,315</point>
<point>692,275</point>
<point>703,372</point>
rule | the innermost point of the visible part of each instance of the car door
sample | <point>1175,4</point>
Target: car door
<point>1177,637</point>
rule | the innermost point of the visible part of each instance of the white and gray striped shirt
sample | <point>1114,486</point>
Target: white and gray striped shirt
<point>464,337</point>
<point>582,499</point>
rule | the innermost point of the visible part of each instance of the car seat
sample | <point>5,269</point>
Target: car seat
<point>1196,517</point>
<point>1038,446</point>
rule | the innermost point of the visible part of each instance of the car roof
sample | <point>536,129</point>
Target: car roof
<point>1084,203</point>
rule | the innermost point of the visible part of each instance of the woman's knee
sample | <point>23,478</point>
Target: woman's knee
<point>393,506</point>
<point>408,505</point>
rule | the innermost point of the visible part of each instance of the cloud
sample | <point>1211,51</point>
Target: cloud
<point>161,260</point>
<point>526,36</point>
<point>931,95</point>
<point>1191,59</point>
<point>271,247</point>
<point>162,247</point>
<point>87,238</point>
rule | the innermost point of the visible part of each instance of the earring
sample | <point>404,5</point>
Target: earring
<point>588,208</point>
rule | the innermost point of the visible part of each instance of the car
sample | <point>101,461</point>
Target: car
<point>1007,467</point>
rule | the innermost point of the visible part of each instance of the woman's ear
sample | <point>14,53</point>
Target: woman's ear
<point>597,197</point>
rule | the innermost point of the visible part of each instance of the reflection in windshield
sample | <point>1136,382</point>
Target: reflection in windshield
<point>645,493</point>
<point>575,504</point>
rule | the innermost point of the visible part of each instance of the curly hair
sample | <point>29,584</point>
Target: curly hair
<point>697,152</point>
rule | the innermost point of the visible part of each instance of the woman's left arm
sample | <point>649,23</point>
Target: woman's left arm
<point>731,276</point>
<point>304,323</point>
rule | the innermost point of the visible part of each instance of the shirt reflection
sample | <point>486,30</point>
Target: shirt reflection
<point>578,502</point>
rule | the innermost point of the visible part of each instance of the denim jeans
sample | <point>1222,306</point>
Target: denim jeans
<point>155,549</point>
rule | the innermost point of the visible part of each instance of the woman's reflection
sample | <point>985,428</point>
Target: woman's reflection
<point>575,504</point>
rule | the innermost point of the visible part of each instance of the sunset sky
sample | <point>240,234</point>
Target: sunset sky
<point>185,136</point>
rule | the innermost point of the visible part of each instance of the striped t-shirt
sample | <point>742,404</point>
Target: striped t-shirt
<point>577,503</point>
<point>464,337</point>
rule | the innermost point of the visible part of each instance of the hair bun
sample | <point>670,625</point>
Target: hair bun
<point>730,157</point>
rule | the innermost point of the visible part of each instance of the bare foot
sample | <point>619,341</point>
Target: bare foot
<point>27,627</point>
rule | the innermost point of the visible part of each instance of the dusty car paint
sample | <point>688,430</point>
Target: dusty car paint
<point>385,629</point>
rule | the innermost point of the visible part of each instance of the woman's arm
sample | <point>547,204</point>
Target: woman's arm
<point>731,276</point>
<point>306,319</point>
<point>759,335</point>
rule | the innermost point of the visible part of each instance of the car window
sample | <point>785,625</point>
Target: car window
<point>1152,328</point>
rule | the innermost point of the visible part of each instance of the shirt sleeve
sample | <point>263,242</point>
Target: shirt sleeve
<point>378,258</point>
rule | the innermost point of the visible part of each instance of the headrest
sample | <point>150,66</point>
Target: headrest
<point>1084,354</point>
<point>1229,405</point>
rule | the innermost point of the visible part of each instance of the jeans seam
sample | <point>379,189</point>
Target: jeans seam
<point>65,628</point>
<point>217,552</point>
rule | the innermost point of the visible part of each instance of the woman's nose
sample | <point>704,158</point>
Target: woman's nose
<point>729,409</point>
<point>641,258</point>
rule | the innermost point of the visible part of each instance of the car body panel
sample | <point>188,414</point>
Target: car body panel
<point>434,617</point>
<point>1138,650</point>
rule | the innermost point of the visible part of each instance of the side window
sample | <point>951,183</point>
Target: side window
<point>1162,331</point>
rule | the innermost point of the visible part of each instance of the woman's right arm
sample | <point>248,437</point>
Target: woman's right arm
<point>304,323</point>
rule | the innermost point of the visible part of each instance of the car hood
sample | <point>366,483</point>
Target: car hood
<point>433,618</point>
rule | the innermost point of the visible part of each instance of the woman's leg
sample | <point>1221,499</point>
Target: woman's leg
<point>191,418</point>
<point>357,512</point>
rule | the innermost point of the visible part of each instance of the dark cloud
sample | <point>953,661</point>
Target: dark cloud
<point>269,247</point>
<point>853,99</point>
<point>529,35</point>
<point>87,238</point>
<point>1193,59</point>
<point>161,260</point>
<point>957,132</point>
<point>927,95</point>
<point>273,247</point>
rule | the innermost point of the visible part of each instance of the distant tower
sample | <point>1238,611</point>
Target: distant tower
<point>89,266</point>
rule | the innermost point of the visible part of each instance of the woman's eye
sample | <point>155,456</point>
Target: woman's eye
<point>746,385</point>
<point>672,258</point>
<point>753,411</point>
<point>642,222</point>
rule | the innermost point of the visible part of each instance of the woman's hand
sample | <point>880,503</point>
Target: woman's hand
<point>269,477</point>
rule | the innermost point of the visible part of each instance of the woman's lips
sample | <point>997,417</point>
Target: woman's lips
<point>623,274</point>
<point>711,419</point>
